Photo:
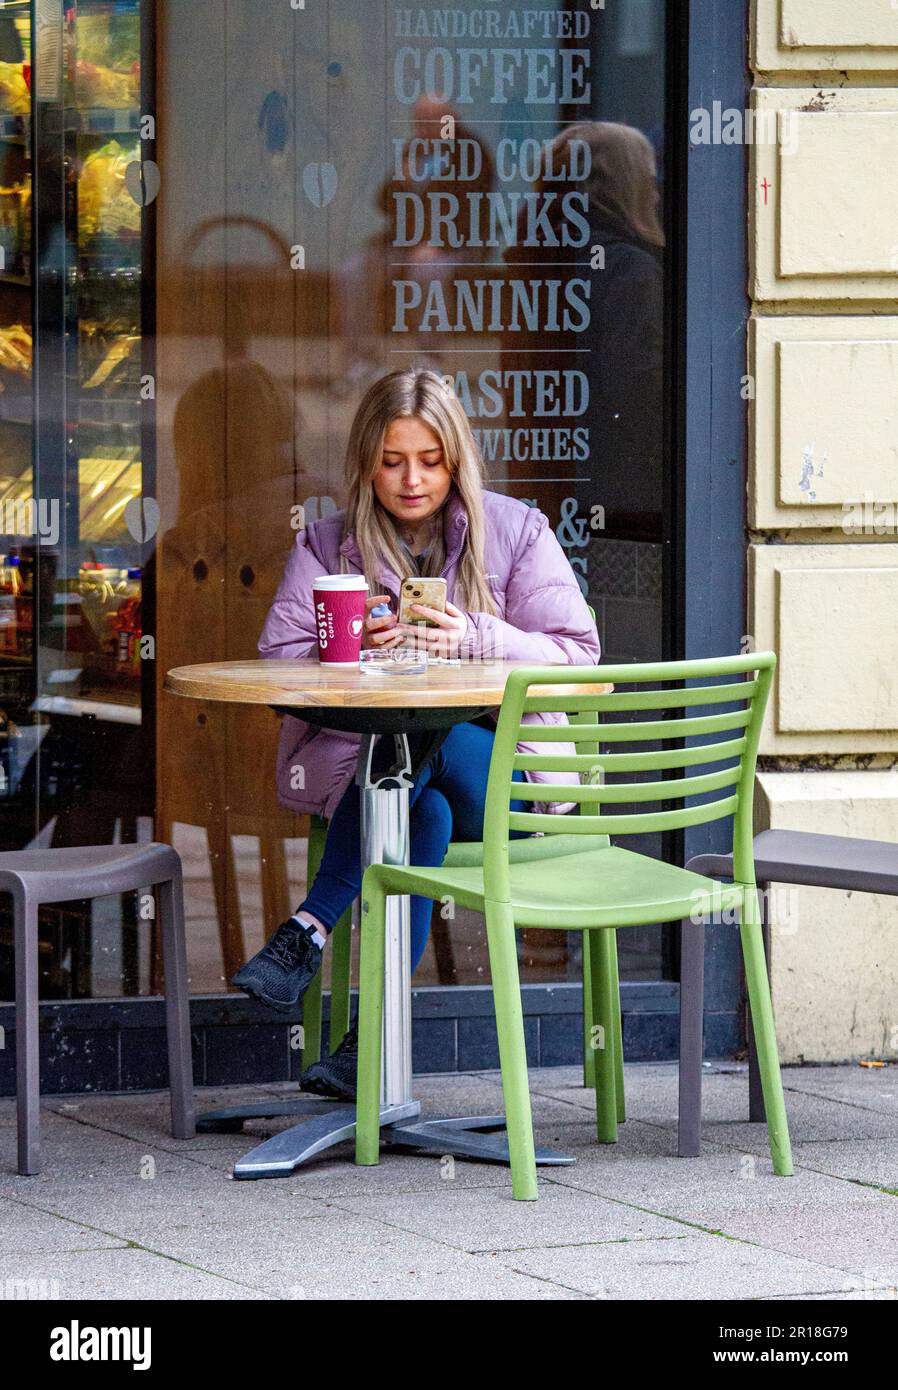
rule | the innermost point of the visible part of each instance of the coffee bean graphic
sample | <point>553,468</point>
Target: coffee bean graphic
<point>320,184</point>
<point>142,517</point>
<point>143,181</point>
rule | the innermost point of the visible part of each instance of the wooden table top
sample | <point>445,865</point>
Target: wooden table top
<point>307,684</point>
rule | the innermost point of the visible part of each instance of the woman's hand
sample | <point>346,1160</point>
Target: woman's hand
<point>383,631</point>
<point>442,640</point>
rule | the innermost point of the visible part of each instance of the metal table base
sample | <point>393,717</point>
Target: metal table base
<point>326,1123</point>
<point>385,840</point>
<point>471,1137</point>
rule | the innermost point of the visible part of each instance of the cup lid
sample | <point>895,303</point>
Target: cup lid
<point>340,582</point>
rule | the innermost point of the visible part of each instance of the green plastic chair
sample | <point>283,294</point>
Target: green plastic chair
<point>341,967</point>
<point>460,854</point>
<point>603,888</point>
<point>468,854</point>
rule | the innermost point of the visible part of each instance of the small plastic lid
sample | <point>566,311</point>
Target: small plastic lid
<point>340,583</point>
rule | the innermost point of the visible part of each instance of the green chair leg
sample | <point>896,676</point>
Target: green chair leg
<point>617,1041</point>
<point>765,1034</point>
<point>341,970</point>
<point>512,1049</point>
<point>371,1009</point>
<point>601,946</point>
<point>341,966</point>
<point>589,1060</point>
<point>311,1004</point>
<point>617,1032</point>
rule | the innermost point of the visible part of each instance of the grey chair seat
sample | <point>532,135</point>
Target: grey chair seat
<point>86,871</point>
<point>37,876</point>
<point>816,861</point>
<point>781,856</point>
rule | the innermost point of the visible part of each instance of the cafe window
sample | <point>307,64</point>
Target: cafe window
<point>219,224</point>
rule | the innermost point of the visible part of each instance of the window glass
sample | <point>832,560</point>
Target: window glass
<point>246,213</point>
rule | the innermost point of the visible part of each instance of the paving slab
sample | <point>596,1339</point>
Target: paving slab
<point>867,1295</point>
<point>73,1151</point>
<point>98,1275</point>
<point>696,1267</point>
<point>147,1118</point>
<point>123,1210</point>
<point>858,1237</point>
<point>350,1256</point>
<point>132,1210</point>
<point>336,1175</point>
<point>873,1161</point>
<point>481,1094</point>
<point>25,1230</point>
<point>488,1219</point>
<point>701,1189</point>
<point>652,1090</point>
<point>812,1119</point>
<point>874,1088</point>
<point>814,1113</point>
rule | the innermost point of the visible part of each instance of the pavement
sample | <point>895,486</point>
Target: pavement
<point>122,1210</point>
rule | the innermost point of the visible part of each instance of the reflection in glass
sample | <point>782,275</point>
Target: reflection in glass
<point>71,571</point>
<point>328,212</point>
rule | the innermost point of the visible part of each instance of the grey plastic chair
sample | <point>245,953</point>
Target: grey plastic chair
<point>37,876</point>
<point>781,856</point>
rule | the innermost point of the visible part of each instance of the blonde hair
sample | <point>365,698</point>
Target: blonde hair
<point>423,395</point>
<point>622,182</point>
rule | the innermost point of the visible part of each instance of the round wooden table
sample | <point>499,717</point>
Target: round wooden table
<point>418,711</point>
<point>465,686</point>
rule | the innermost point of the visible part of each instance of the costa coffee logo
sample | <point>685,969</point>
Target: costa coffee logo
<point>355,626</point>
<point>325,625</point>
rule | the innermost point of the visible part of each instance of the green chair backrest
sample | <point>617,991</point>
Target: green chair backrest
<point>587,808</point>
<point>732,759</point>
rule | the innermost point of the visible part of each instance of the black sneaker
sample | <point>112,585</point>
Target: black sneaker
<point>335,1075</point>
<point>284,968</point>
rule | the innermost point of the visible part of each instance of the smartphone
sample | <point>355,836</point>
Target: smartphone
<point>432,592</point>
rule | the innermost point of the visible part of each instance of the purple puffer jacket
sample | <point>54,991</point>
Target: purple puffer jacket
<point>543,619</point>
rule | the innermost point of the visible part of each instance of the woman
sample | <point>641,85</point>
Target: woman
<point>416,506</point>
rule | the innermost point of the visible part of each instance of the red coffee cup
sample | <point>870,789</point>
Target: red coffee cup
<point>339,602</point>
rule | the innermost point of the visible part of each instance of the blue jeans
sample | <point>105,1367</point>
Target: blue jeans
<point>446,802</point>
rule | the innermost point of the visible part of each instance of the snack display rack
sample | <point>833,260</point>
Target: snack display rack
<point>76,448</point>
<point>17,551</point>
<point>74,252</point>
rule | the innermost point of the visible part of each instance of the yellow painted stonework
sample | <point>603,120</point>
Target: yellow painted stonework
<point>823,491</point>
<point>829,611</point>
<point>836,24</point>
<point>824,196</point>
<point>824,35</point>
<point>832,620</point>
<point>824,427</point>
<point>834,955</point>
